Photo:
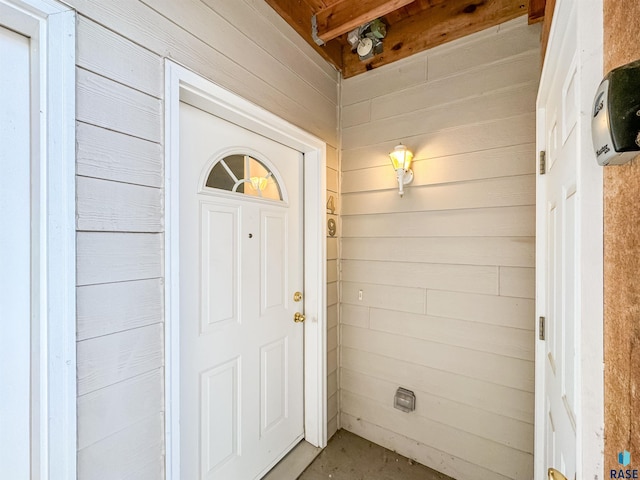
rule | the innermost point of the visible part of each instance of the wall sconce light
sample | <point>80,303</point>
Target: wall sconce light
<point>401,160</point>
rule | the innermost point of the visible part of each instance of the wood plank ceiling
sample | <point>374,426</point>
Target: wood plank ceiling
<point>412,25</point>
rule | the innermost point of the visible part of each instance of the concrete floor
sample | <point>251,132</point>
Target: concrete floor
<point>350,457</point>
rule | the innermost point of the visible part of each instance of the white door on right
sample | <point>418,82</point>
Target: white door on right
<point>569,249</point>
<point>559,205</point>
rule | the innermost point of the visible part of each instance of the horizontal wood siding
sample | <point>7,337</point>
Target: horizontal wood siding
<point>121,48</point>
<point>437,287</point>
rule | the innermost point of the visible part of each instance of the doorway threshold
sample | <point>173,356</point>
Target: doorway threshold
<point>294,463</point>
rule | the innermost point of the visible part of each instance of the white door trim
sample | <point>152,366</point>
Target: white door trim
<point>590,380</point>
<point>51,27</point>
<point>183,84</point>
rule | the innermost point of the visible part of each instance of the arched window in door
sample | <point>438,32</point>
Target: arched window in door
<point>244,174</point>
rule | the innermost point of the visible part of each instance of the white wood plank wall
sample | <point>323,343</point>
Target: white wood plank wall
<point>241,45</point>
<point>333,396</point>
<point>446,273</point>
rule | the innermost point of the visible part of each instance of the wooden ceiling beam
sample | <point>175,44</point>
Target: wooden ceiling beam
<point>546,27</point>
<point>536,11</point>
<point>434,26</point>
<point>298,13</point>
<point>346,15</point>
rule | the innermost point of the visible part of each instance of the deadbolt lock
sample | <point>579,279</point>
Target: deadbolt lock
<point>298,317</point>
<point>297,296</point>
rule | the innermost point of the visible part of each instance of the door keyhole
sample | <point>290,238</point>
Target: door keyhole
<point>251,235</point>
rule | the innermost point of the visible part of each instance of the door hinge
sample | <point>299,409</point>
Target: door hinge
<point>541,328</point>
<point>543,162</point>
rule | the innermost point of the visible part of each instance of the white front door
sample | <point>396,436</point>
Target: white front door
<point>15,256</point>
<point>241,360</point>
<point>568,250</point>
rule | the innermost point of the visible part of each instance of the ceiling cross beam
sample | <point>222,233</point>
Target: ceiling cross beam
<point>342,17</point>
<point>437,24</point>
<point>536,10</point>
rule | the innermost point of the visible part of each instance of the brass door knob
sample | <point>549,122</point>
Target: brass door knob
<point>555,475</point>
<point>298,317</point>
<point>297,296</point>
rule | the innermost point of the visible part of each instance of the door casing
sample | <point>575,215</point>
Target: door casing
<point>183,84</point>
<point>589,348</point>
<point>51,27</point>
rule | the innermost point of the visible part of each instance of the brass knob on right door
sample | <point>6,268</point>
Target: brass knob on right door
<point>555,475</point>
<point>298,317</point>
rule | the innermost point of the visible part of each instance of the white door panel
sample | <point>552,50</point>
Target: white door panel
<point>240,264</point>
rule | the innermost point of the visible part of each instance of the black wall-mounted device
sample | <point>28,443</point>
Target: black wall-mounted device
<point>615,125</point>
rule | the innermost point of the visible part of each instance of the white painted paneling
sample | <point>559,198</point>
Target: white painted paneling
<point>332,180</point>
<point>115,307</point>
<point>478,222</point>
<point>103,361</point>
<point>492,368</point>
<point>470,334</point>
<point>445,271</point>
<point>332,248</point>
<point>354,315</point>
<point>332,426</point>
<point>488,425</point>
<point>505,311</point>
<point>491,106</point>
<point>515,38</point>
<point>490,455</point>
<point>507,401</point>
<point>134,453</point>
<point>332,294</point>
<point>332,271</point>
<point>517,282</point>
<point>493,192</point>
<point>332,361</point>
<point>104,205</point>
<point>498,133</point>
<point>462,278</point>
<point>510,251</point>
<point>103,153</point>
<point>114,57</point>
<point>488,78</point>
<point>390,78</point>
<point>116,407</point>
<point>332,385</point>
<point>332,406</point>
<point>356,114</point>
<point>332,157</point>
<point>332,338</point>
<point>111,105</point>
<point>384,296</point>
<point>332,316</point>
<point>502,162</point>
<point>118,257</point>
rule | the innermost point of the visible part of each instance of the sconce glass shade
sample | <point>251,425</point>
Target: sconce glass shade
<point>259,183</point>
<point>401,158</point>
